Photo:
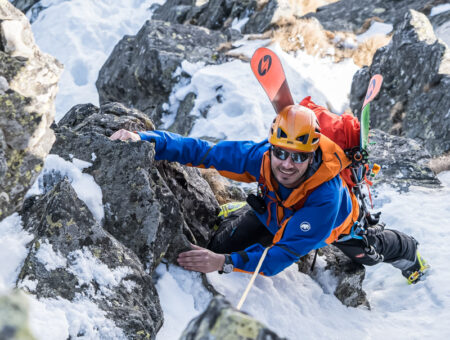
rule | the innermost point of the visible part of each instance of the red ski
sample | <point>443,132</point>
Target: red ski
<point>268,70</point>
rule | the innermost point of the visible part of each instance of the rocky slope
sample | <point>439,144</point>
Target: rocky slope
<point>151,210</point>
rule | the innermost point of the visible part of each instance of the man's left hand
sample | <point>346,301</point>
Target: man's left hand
<point>201,260</point>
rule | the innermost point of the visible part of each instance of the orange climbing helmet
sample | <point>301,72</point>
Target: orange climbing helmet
<point>296,128</point>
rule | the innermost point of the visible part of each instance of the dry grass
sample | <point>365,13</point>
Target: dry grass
<point>308,35</point>
<point>365,51</point>
<point>312,5</point>
<point>221,188</point>
<point>439,164</point>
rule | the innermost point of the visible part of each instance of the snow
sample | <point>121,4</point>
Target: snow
<point>84,184</point>
<point>80,319</point>
<point>81,34</point>
<point>237,24</point>
<point>13,250</point>
<point>49,258</point>
<point>87,268</point>
<point>376,28</point>
<point>439,9</point>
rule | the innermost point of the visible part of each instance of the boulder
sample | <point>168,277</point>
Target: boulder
<point>148,204</point>
<point>141,70</point>
<point>221,321</point>
<point>28,85</point>
<point>414,100</point>
<point>214,14</point>
<point>14,317</point>
<point>72,257</point>
<point>348,275</point>
<point>24,5</point>
<point>352,15</point>
<point>404,162</point>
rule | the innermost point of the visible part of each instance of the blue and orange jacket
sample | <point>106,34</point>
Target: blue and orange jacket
<point>312,216</point>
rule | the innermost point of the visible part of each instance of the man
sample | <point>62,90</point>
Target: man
<point>302,202</point>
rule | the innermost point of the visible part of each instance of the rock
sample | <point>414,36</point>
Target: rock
<point>351,15</point>
<point>221,321</point>
<point>199,206</point>
<point>140,72</point>
<point>414,100</point>
<point>214,14</point>
<point>148,204</point>
<point>24,5</point>
<point>225,190</point>
<point>261,20</point>
<point>404,162</point>
<point>14,317</point>
<point>27,90</point>
<point>82,261</point>
<point>349,275</point>
<point>441,25</point>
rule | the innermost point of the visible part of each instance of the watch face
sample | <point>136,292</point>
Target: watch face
<point>228,268</point>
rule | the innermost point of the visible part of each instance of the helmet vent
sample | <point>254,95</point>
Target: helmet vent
<point>315,140</point>
<point>303,139</point>
<point>281,133</point>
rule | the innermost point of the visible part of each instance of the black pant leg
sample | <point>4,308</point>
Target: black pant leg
<point>396,247</point>
<point>239,231</point>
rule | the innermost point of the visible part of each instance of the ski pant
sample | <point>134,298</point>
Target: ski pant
<point>242,228</point>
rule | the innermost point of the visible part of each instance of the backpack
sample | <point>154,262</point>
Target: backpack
<point>344,130</point>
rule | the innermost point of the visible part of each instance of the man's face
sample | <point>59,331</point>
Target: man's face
<point>286,172</point>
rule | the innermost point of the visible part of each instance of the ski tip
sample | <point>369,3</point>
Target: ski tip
<point>373,89</point>
<point>267,68</point>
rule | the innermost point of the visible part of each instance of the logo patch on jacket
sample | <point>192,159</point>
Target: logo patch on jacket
<point>305,226</point>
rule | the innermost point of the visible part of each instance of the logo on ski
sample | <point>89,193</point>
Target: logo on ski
<point>264,65</point>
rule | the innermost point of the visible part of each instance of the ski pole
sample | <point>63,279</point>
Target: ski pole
<point>250,284</point>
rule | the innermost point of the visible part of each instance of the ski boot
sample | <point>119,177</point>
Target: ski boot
<point>417,270</point>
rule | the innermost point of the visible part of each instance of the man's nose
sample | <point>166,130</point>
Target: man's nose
<point>288,162</point>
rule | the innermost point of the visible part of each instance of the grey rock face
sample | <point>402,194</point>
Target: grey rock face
<point>414,100</point>
<point>24,5</point>
<point>199,206</point>
<point>28,85</point>
<point>140,71</point>
<point>349,275</point>
<point>215,14</point>
<point>403,161</point>
<point>351,15</point>
<point>147,205</point>
<point>14,317</point>
<point>63,226</point>
<point>221,321</point>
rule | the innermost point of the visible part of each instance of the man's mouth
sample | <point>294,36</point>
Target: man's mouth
<point>287,172</point>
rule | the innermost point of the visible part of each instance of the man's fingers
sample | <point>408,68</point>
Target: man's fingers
<point>195,252</point>
<point>124,135</point>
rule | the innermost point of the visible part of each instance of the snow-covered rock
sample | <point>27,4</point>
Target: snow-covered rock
<point>28,85</point>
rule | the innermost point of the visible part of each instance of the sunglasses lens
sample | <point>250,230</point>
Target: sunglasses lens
<point>281,154</point>
<point>297,157</point>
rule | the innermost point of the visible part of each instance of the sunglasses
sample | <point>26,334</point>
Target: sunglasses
<point>297,157</point>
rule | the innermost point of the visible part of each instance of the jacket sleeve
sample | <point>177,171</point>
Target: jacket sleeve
<point>325,209</point>
<point>238,157</point>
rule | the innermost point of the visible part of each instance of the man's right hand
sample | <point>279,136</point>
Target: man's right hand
<point>123,134</point>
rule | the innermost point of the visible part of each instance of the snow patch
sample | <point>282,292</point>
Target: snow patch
<point>13,249</point>
<point>84,184</point>
<point>439,9</point>
<point>377,28</point>
<point>86,267</point>
<point>49,258</point>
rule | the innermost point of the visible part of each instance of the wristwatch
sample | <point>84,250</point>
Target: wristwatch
<point>227,265</point>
